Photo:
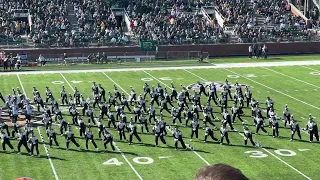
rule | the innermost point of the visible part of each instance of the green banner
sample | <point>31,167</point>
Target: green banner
<point>147,45</point>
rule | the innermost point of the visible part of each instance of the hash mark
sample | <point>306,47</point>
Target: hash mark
<point>304,149</point>
<point>164,157</point>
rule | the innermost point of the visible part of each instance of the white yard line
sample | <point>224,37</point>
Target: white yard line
<point>214,66</point>
<point>286,164</point>
<point>44,145</point>
<point>115,83</point>
<point>167,127</point>
<point>196,153</point>
<point>118,149</point>
<point>290,77</point>
<point>195,75</point>
<point>310,68</point>
<point>303,102</point>
<point>266,149</point>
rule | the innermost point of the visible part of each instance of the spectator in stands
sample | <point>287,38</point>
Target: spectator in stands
<point>180,24</point>
<point>219,172</point>
<point>164,21</point>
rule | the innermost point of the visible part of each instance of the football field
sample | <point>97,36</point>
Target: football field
<point>295,83</point>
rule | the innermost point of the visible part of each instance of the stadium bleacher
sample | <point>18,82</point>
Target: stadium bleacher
<point>61,23</point>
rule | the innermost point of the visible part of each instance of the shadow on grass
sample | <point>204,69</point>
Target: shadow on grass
<point>26,154</point>
<point>288,138</point>
<point>98,151</point>
<point>241,145</point>
<point>275,58</point>
<point>153,145</point>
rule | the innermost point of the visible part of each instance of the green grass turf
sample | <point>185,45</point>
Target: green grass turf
<point>168,63</point>
<point>182,164</point>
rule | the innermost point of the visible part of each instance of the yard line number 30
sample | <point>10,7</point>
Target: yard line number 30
<point>281,152</point>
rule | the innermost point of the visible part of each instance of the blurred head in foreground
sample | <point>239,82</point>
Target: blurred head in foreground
<point>219,172</point>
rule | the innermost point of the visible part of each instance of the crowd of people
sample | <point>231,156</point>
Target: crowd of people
<point>50,24</point>
<point>137,113</point>
<point>96,19</point>
<point>174,22</point>
<point>164,21</point>
<point>11,30</point>
<point>279,24</point>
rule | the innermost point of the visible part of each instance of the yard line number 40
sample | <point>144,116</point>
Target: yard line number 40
<point>137,160</point>
<point>281,152</point>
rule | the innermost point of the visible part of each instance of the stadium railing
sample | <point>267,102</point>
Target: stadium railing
<point>129,56</point>
<point>22,43</point>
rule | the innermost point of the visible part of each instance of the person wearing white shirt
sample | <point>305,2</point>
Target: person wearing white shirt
<point>268,19</point>
<point>113,40</point>
<point>42,60</point>
<point>250,51</point>
<point>250,25</point>
<point>63,27</point>
<point>125,38</point>
<point>172,12</point>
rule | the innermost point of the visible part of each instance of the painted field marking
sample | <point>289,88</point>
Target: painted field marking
<point>265,148</point>
<point>119,150</point>
<point>164,157</point>
<point>304,150</point>
<point>286,164</point>
<point>290,77</point>
<point>195,75</point>
<point>214,66</point>
<point>303,102</point>
<point>278,92</point>
<point>299,81</point>
<point>44,145</point>
<point>304,66</point>
<point>163,84</point>
<point>196,153</point>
